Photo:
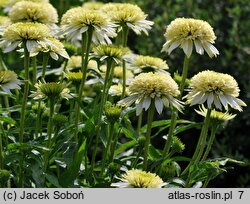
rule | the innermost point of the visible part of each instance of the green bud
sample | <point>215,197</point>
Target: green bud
<point>35,107</point>
<point>114,168</point>
<point>59,120</point>
<point>177,145</point>
<point>112,112</point>
<point>178,79</point>
<point>168,169</point>
<point>141,141</point>
<point>4,176</point>
<point>71,49</point>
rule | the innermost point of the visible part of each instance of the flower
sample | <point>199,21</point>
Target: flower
<point>112,112</point>
<point>147,63</point>
<point>136,178</point>
<point>185,32</point>
<point>75,62</point>
<point>157,88</point>
<point>27,11</point>
<point>32,34</point>
<point>51,90</point>
<point>216,116</point>
<point>4,22</point>
<point>130,15</point>
<point>8,81</point>
<point>78,21</point>
<point>110,51</point>
<point>216,89</point>
<point>116,90</point>
<point>51,45</point>
<point>92,5</point>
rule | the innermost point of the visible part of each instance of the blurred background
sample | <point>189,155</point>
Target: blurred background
<point>231,22</point>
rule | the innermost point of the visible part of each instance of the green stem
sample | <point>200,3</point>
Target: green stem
<point>38,119</point>
<point>44,66</point>
<point>107,149</point>
<point>25,94</point>
<point>2,64</point>
<point>174,114</point>
<point>34,65</point>
<point>201,142</point>
<point>170,133</point>
<point>210,142</point>
<point>49,130</point>
<point>23,108</point>
<point>1,146</point>
<point>103,101</point>
<point>139,123</point>
<point>86,42</point>
<point>64,69</point>
<point>124,44</point>
<point>206,183</point>
<point>148,134</point>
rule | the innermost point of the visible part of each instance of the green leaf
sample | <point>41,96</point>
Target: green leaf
<point>7,120</point>
<point>153,153</point>
<point>67,178</point>
<point>129,133</point>
<point>53,179</point>
<point>125,146</point>
<point>183,128</point>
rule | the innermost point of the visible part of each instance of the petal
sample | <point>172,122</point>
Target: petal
<point>198,47</point>
<point>158,105</point>
<point>146,103</point>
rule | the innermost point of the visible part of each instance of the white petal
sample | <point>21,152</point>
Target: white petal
<point>158,105</point>
<point>210,100</point>
<point>146,103</point>
<point>198,47</point>
<point>139,108</point>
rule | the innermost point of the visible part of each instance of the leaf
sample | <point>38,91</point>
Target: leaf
<point>153,153</point>
<point>125,146</point>
<point>53,179</point>
<point>67,178</point>
<point>7,120</point>
<point>183,128</point>
<point>129,133</point>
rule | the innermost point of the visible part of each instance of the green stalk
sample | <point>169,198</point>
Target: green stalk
<point>107,149</point>
<point>174,114</point>
<point>139,123</point>
<point>201,142</point>
<point>34,65</point>
<point>64,69</point>
<point>210,142</point>
<point>124,44</point>
<point>170,133</point>
<point>1,147</point>
<point>86,42</point>
<point>49,130</point>
<point>45,62</point>
<point>103,101</point>
<point>25,94</point>
<point>2,64</point>
<point>23,108</point>
<point>148,134</point>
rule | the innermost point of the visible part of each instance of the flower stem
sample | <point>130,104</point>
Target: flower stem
<point>148,134</point>
<point>23,108</point>
<point>107,149</point>
<point>103,101</point>
<point>45,62</point>
<point>174,114</point>
<point>139,123</point>
<point>1,146</point>
<point>34,65</point>
<point>64,69</point>
<point>210,142</point>
<point>86,42</point>
<point>201,142</point>
<point>2,64</point>
<point>49,130</point>
<point>170,133</point>
<point>124,44</point>
<point>25,94</point>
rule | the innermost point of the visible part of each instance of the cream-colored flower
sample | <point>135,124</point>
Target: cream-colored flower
<point>104,52</point>
<point>136,178</point>
<point>10,3</point>
<point>116,90</point>
<point>130,15</point>
<point>51,45</point>
<point>216,89</point>
<point>51,90</point>
<point>93,5</point>
<point>4,22</point>
<point>32,34</point>
<point>27,11</point>
<point>8,81</point>
<point>140,63</point>
<point>157,88</point>
<point>185,32</point>
<point>75,62</point>
<point>216,115</point>
<point>74,24</point>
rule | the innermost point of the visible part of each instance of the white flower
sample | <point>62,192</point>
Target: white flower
<point>8,81</point>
